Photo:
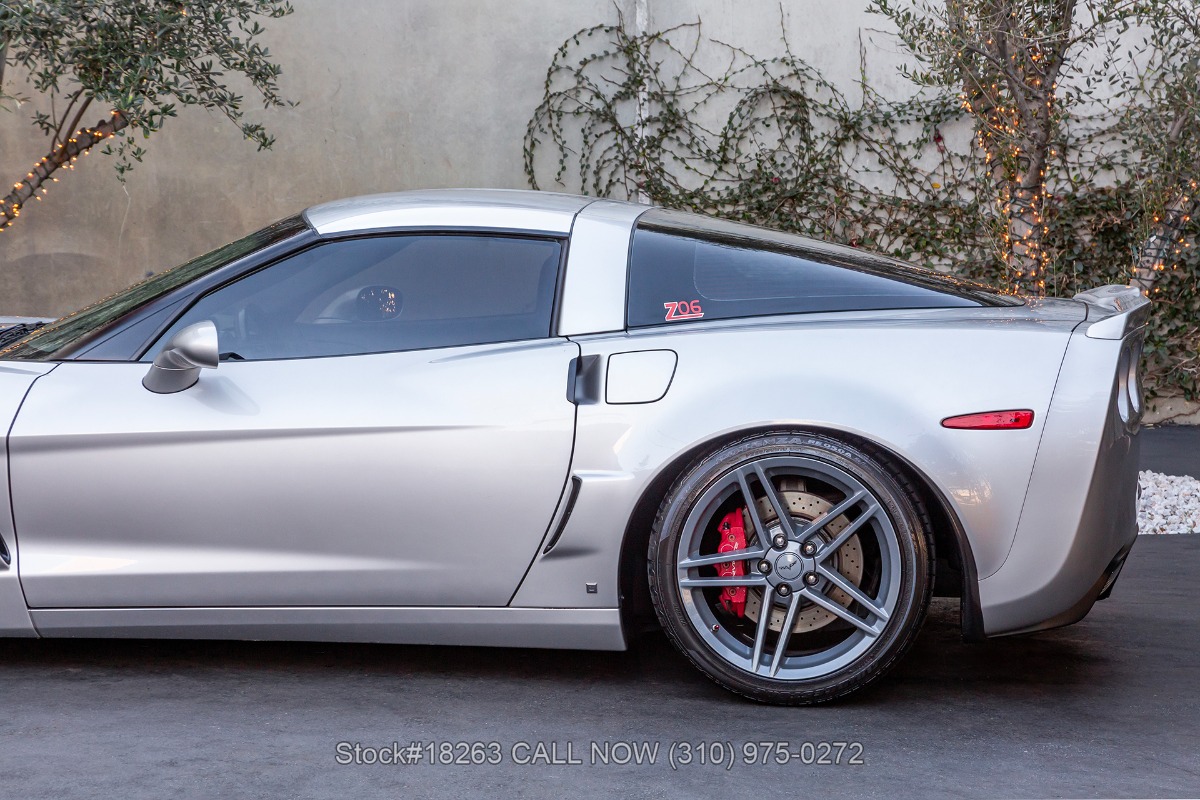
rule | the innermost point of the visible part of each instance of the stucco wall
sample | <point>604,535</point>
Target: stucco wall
<point>393,94</point>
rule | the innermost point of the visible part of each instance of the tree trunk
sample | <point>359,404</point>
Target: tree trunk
<point>1164,236</point>
<point>61,156</point>
<point>1025,240</point>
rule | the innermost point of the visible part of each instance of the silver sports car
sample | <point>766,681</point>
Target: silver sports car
<point>529,419</point>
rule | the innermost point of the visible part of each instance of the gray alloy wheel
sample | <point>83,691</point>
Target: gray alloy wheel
<point>825,589</point>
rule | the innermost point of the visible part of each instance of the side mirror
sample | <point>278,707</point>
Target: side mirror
<point>178,364</point>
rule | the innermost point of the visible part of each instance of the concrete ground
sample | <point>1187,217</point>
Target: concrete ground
<point>1105,708</point>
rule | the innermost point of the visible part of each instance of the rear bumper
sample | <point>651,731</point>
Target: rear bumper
<point>1097,591</point>
<point>1079,520</point>
<point>1113,572</point>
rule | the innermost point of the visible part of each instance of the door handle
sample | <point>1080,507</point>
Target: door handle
<point>583,380</point>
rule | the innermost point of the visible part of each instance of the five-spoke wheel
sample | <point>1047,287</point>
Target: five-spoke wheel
<point>791,568</point>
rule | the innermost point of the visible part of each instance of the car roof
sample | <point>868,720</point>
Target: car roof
<point>553,213</point>
<point>503,209</point>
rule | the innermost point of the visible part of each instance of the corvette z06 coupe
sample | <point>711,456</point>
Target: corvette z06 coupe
<point>528,419</point>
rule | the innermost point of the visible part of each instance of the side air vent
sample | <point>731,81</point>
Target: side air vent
<point>4,556</point>
<point>576,483</point>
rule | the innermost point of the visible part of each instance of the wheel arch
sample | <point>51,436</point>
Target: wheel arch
<point>951,546</point>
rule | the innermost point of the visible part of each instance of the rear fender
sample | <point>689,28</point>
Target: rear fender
<point>890,384</point>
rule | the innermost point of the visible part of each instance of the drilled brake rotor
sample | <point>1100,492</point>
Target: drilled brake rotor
<point>805,507</point>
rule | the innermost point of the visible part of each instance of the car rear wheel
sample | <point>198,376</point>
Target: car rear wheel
<point>791,568</point>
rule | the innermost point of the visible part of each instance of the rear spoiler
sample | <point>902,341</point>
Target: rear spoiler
<point>1114,310</point>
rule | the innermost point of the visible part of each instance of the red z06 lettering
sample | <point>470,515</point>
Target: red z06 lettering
<point>684,309</point>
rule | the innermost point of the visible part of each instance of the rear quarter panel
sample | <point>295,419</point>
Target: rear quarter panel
<point>890,377</point>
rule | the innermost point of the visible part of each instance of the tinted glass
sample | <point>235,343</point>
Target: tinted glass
<point>383,294</point>
<point>675,278</point>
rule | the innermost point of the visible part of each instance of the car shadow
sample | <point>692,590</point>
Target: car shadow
<point>938,664</point>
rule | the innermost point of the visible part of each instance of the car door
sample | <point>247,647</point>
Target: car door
<point>388,426</point>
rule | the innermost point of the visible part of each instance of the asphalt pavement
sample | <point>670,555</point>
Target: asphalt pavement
<point>1171,450</point>
<point>1104,708</point>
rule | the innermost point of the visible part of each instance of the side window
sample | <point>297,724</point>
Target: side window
<point>385,293</point>
<point>676,278</point>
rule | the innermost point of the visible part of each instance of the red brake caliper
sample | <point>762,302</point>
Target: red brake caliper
<point>733,537</point>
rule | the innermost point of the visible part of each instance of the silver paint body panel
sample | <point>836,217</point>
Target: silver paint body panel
<point>450,208</point>
<point>419,478</point>
<point>895,395</point>
<point>1080,510</point>
<point>15,380</point>
<point>409,497</point>
<point>593,295</point>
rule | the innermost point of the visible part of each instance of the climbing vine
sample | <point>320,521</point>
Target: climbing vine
<point>687,122</point>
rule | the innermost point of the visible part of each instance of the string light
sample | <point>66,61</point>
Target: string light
<point>63,156</point>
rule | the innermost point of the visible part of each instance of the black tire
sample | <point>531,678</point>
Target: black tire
<point>720,640</point>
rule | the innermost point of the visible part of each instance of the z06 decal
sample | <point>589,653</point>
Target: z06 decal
<point>684,309</point>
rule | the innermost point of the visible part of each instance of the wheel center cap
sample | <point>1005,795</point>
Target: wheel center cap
<point>789,566</point>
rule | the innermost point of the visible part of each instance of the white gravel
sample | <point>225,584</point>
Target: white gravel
<point>1169,504</point>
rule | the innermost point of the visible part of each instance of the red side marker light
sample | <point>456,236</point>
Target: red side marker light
<point>991,420</point>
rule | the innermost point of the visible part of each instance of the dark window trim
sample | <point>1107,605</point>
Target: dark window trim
<point>317,240</point>
<point>435,230</point>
